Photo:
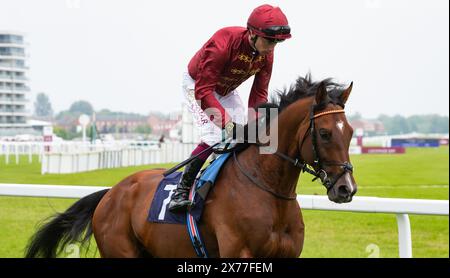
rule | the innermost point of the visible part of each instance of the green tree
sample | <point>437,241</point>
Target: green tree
<point>61,132</point>
<point>143,129</point>
<point>400,125</point>
<point>42,106</point>
<point>64,133</point>
<point>417,123</point>
<point>81,107</point>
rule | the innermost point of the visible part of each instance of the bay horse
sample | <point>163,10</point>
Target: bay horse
<point>240,220</point>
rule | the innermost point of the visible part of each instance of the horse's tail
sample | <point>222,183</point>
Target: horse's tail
<point>72,225</point>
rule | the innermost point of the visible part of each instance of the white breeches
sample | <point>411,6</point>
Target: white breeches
<point>209,132</point>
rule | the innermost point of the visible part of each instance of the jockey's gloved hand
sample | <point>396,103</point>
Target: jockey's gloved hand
<point>235,131</point>
<point>227,131</point>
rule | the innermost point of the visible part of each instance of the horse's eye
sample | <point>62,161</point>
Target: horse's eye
<point>325,134</point>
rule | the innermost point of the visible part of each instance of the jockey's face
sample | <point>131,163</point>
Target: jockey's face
<point>264,46</point>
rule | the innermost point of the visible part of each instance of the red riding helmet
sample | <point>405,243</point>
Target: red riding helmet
<point>269,22</point>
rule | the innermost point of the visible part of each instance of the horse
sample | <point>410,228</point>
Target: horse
<point>252,209</point>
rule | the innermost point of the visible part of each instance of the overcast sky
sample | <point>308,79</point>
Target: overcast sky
<point>129,55</point>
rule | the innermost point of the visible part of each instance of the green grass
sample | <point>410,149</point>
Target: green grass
<point>420,174</point>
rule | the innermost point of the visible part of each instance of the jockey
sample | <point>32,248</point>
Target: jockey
<point>226,60</point>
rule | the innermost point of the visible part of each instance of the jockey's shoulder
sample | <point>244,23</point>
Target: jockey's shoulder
<point>224,36</point>
<point>230,32</point>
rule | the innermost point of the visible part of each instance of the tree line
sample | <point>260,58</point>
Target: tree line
<point>66,121</point>
<point>392,124</point>
<point>417,123</point>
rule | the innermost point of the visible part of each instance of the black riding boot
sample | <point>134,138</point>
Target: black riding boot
<point>180,198</point>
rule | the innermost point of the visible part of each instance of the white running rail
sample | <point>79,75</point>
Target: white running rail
<point>400,207</point>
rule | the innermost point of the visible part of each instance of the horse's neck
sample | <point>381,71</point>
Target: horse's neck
<point>280,174</point>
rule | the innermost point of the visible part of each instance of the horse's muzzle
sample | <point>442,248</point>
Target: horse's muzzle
<point>343,192</point>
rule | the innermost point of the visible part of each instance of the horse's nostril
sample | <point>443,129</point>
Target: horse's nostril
<point>343,191</point>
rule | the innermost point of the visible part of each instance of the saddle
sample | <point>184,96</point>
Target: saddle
<point>159,213</point>
<point>205,180</point>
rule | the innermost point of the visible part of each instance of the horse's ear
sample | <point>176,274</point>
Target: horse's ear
<point>322,93</point>
<point>346,93</point>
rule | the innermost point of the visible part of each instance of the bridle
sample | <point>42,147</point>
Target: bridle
<point>318,163</point>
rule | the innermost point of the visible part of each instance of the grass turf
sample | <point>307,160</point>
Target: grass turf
<point>420,174</point>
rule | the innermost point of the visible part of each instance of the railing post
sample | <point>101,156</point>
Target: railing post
<point>30,154</point>
<point>43,166</point>
<point>7,154</point>
<point>404,236</point>
<point>16,152</point>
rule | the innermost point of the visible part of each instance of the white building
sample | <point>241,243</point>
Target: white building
<point>14,89</point>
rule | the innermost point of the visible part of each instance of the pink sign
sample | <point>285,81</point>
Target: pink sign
<point>382,150</point>
<point>47,138</point>
<point>443,142</point>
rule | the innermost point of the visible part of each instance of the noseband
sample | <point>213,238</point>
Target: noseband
<point>318,163</point>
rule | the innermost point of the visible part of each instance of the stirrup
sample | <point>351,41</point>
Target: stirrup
<point>182,206</point>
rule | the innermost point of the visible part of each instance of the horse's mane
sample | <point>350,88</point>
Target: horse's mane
<point>304,87</point>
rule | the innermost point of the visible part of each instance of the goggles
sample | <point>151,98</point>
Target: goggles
<point>272,40</point>
<point>277,30</point>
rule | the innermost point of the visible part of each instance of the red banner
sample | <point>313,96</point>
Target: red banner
<point>382,150</point>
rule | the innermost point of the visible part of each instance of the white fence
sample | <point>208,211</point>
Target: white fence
<point>400,207</point>
<point>73,157</point>
<point>8,149</point>
<point>16,149</point>
<point>63,163</point>
<point>39,147</point>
